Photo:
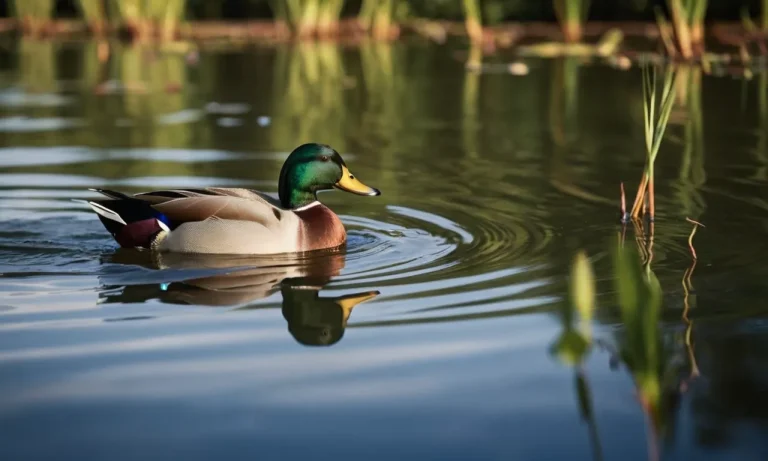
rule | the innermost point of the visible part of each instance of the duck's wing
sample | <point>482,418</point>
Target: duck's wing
<point>232,206</point>
<point>161,196</point>
<point>181,206</point>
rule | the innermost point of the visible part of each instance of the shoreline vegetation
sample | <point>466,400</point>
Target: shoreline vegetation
<point>679,32</point>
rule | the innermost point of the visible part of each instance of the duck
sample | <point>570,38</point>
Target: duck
<point>217,220</point>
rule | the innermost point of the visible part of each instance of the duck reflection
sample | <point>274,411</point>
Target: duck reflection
<point>313,320</point>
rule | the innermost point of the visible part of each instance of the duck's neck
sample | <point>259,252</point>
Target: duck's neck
<point>296,198</point>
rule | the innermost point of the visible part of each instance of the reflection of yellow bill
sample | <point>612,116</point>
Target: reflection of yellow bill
<point>349,183</point>
<point>347,303</point>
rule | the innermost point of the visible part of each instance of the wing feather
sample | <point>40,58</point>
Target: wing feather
<point>200,208</point>
<point>161,196</point>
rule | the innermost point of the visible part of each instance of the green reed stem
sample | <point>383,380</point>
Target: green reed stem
<point>571,15</point>
<point>473,20</point>
<point>382,20</point>
<point>92,10</point>
<point>367,10</point>
<point>688,23</point>
<point>328,18</point>
<point>764,13</point>
<point>655,126</point>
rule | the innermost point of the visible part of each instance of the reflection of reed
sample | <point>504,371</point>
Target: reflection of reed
<point>761,152</point>
<point>575,341</point>
<point>641,347</point>
<point>692,173</point>
<point>93,69</point>
<point>470,118</point>
<point>377,62</point>
<point>136,86</point>
<point>688,289</point>
<point>564,99</point>
<point>563,127</point>
<point>310,95</point>
<point>586,409</point>
<point>149,80</point>
<point>37,64</point>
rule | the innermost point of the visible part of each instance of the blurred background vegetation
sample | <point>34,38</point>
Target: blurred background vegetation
<point>141,17</point>
<point>493,10</point>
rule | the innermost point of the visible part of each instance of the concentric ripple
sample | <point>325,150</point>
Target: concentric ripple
<point>424,265</point>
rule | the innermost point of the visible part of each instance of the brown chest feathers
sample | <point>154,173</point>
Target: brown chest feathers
<point>319,228</point>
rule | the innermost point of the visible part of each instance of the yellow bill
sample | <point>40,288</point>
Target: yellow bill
<point>350,183</point>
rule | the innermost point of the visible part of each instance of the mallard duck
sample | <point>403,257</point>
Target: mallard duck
<point>238,221</point>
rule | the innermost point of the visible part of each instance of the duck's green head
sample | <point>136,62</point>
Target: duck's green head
<point>314,167</point>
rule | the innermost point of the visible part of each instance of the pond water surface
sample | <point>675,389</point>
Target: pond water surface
<point>490,185</point>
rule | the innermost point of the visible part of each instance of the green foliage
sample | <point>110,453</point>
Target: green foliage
<point>571,14</point>
<point>688,27</point>
<point>92,10</point>
<point>655,126</point>
<point>473,20</point>
<point>33,9</point>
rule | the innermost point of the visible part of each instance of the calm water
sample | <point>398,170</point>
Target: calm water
<point>491,183</point>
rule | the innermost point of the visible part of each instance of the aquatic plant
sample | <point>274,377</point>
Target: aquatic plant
<point>94,13</point>
<point>365,15</point>
<point>142,19</point>
<point>571,15</point>
<point>473,20</point>
<point>302,16</point>
<point>328,17</point>
<point>168,15</point>
<point>685,35</point>
<point>764,21</point>
<point>382,23</point>
<point>607,46</point>
<point>749,23</point>
<point>33,14</point>
<point>308,18</point>
<point>377,17</point>
<point>655,125</point>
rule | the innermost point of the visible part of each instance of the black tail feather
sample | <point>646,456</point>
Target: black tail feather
<point>132,222</point>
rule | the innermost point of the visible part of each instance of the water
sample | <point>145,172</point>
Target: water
<point>457,273</point>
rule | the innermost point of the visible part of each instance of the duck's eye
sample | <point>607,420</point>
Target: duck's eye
<point>324,158</point>
<point>351,176</point>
